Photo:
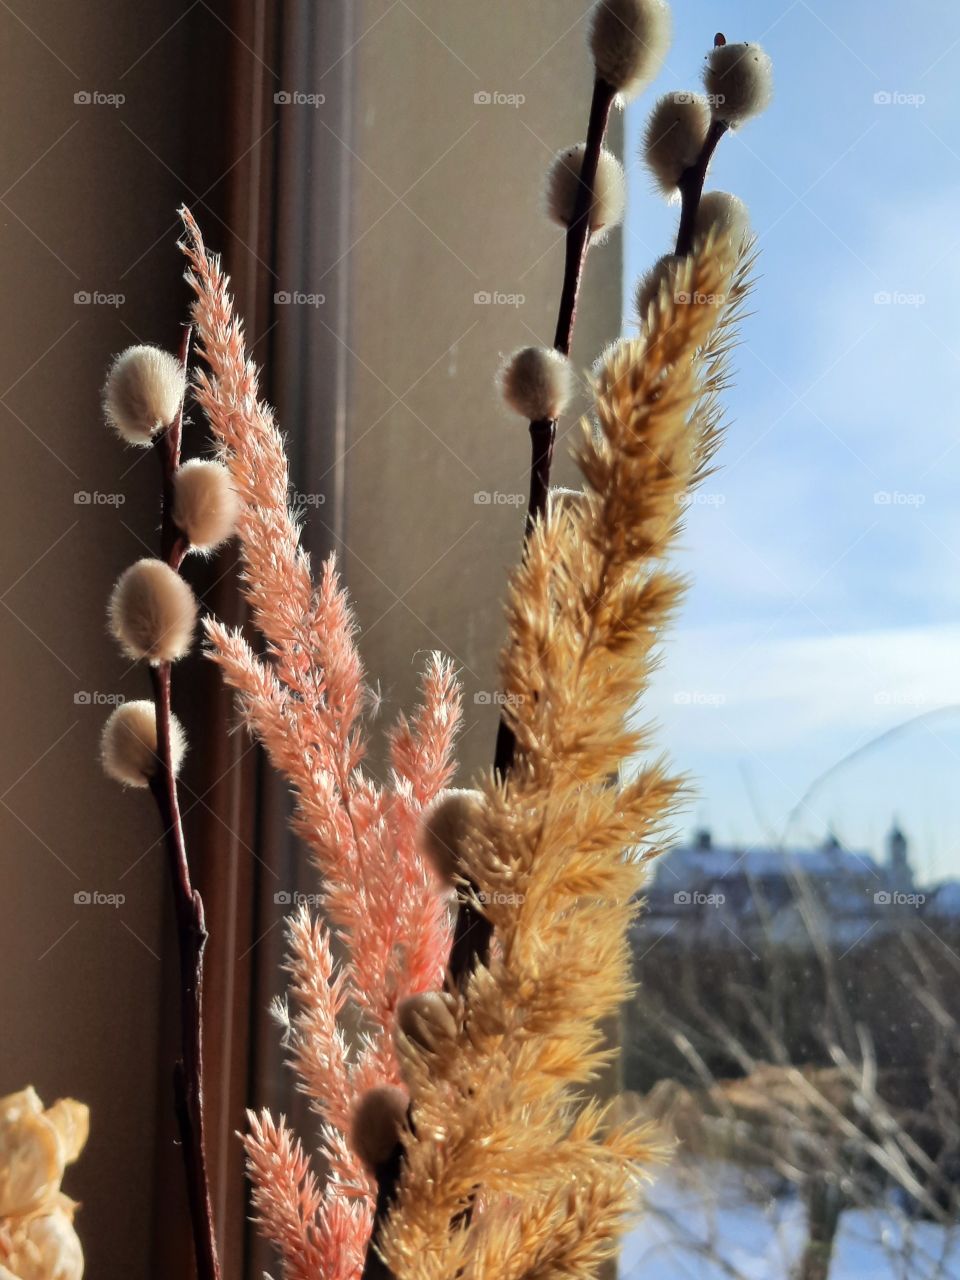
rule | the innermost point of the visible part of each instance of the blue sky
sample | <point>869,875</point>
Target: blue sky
<point>825,556</point>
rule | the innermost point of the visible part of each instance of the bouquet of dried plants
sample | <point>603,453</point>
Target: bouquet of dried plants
<point>448,1054</point>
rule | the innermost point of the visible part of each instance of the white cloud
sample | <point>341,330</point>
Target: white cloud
<point>736,689</point>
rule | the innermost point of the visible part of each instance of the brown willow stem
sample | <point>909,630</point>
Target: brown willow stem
<point>472,934</point>
<point>388,1178</point>
<point>691,188</point>
<point>543,434</point>
<point>578,233</point>
<point>188,905</point>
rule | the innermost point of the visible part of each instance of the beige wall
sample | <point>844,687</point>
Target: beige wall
<point>444,203</point>
<point>89,196</point>
<point>427,430</point>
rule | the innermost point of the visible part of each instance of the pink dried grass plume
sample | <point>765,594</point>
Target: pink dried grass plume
<point>316,1237</point>
<point>304,700</point>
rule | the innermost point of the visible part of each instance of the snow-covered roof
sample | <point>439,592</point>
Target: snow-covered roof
<point>692,865</point>
<point>945,901</point>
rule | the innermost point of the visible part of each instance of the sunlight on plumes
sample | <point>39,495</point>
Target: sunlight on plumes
<point>560,498</point>
<point>537,383</point>
<point>128,744</point>
<point>307,699</point>
<point>609,190</point>
<point>153,612</point>
<point>143,393</point>
<point>445,827</point>
<point>739,81</point>
<point>629,40</point>
<point>378,1121</point>
<point>205,503</point>
<point>554,852</point>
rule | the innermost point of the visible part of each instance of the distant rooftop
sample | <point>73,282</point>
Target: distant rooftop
<point>692,864</point>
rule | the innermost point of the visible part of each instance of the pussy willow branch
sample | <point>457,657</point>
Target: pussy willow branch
<point>188,905</point>
<point>691,188</point>
<point>472,934</point>
<point>692,179</point>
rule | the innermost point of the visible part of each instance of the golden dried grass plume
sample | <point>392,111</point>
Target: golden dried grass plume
<point>558,853</point>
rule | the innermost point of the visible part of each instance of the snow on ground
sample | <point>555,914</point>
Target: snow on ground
<point>703,1221</point>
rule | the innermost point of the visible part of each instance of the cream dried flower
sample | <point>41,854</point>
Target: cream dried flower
<point>37,1238</point>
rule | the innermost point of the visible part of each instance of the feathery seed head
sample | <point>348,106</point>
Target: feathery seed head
<point>205,503</point>
<point>143,393</point>
<point>378,1120</point>
<point>152,612</point>
<point>428,1019</point>
<point>609,190</point>
<point>564,499</point>
<point>629,40</point>
<point>537,383</point>
<point>676,132</point>
<point>724,214</point>
<point>739,82</point>
<point>444,827</point>
<point>661,275</point>
<point>128,745</point>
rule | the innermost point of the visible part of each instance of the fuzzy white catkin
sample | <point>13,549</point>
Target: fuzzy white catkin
<point>128,745</point>
<point>725,214</point>
<point>676,132</point>
<point>378,1121</point>
<point>444,827</point>
<point>649,286</point>
<point>143,393</point>
<point>629,40</point>
<point>739,81</point>
<point>153,612</point>
<point>205,503</point>
<point>429,1018</point>
<point>537,383</point>
<point>609,190</point>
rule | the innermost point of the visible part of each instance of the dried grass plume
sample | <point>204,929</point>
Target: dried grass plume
<point>557,853</point>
